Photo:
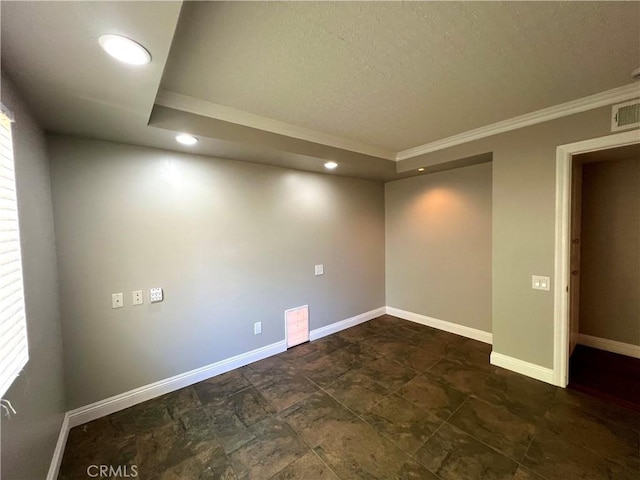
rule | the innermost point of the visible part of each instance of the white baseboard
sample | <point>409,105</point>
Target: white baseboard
<point>54,468</point>
<point>344,324</point>
<point>525,368</point>
<point>142,394</point>
<point>609,345</point>
<point>462,330</point>
<point>99,409</point>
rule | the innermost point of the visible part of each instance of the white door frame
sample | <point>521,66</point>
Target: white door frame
<point>564,157</point>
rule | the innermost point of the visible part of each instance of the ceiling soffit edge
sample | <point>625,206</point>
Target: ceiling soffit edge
<point>197,106</point>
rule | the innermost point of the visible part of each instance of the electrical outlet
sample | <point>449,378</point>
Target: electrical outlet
<point>319,270</point>
<point>136,297</point>
<point>257,328</point>
<point>117,300</point>
<point>156,295</point>
<point>540,283</point>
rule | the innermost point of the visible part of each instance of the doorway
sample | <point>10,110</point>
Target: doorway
<point>566,290</point>
<point>604,289</point>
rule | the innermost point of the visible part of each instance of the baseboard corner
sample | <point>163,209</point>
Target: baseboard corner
<point>58,452</point>
<point>462,330</point>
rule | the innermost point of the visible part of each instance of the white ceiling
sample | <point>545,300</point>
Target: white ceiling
<point>296,83</point>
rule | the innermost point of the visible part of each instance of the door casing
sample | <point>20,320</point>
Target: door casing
<point>564,170</point>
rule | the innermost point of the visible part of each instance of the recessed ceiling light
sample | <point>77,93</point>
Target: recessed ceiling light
<point>421,169</point>
<point>124,49</point>
<point>330,165</point>
<point>185,139</point>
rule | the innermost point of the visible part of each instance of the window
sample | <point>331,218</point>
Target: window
<point>14,351</point>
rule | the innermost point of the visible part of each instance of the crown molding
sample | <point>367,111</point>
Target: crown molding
<point>196,106</point>
<point>620,94</point>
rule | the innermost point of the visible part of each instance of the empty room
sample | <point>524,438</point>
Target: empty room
<point>319,240</point>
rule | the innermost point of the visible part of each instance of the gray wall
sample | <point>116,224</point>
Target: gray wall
<point>231,243</point>
<point>438,245</point>
<point>29,438</point>
<point>610,253</point>
<point>524,182</point>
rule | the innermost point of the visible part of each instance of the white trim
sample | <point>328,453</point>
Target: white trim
<point>607,345</point>
<point>142,394</point>
<point>56,461</point>
<point>525,368</point>
<point>564,154</point>
<point>128,399</point>
<point>344,324</point>
<point>602,99</point>
<point>462,330</point>
<point>196,106</point>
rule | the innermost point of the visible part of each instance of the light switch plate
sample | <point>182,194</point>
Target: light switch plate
<point>136,297</point>
<point>257,328</point>
<point>117,300</point>
<point>156,295</point>
<point>540,283</point>
<point>319,270</point>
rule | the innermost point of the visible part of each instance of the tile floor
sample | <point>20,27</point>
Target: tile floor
<point>388,399</point>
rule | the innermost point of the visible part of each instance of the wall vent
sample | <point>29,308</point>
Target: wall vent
<point>297,325</point>
<point>625,115</point>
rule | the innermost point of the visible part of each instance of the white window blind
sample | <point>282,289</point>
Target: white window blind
<point>14,351</point>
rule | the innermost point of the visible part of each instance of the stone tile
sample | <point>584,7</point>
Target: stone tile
<point>323,369</point>
<point>287,390</point>
<point>355,450</point>
<point>471,355</point>
<point>403,423</point>
<point>96,443</point>
<point>495,426</point>
<point>389,373</point>
<point>386,344</point>
<point>454,455</point>
<point>526,474</point>
<point>210,463</point>
<point>268,370</point>
<point>432,395</point>
<point>356,334</point>
<point>387,321</point>
<point>552,457</point>
<point>317,417</point>
<point>463,377</point>
<point>218,388</point>
<point>307,467</point>
<point>168,447</point>
<point>417,358</point>
<point>357,391</point>
<point>143,417</point>
<point>331,343</point>
<point>608,439</point>
<point>523,396</point>
<point>412,470</point>
<point>299,351</point>
<point>275,447</point>
<point>361,353</point>
<point>233,416</point>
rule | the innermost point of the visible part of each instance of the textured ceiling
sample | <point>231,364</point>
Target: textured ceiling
<point>398,75</point>
<point>350,82</point>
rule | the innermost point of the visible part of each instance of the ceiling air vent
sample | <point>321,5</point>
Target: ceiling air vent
<point>625,115</point>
